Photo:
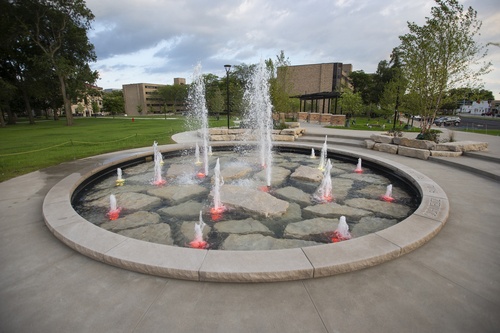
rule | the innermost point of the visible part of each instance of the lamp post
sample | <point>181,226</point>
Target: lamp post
<point>228,68</point>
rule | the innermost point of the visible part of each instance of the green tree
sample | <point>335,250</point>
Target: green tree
<point>351,103</point>
<point>279,88</point>
<point>113,102</point>
<point>59,29</point>
<point>440,55</point>
<point>363,84</point>
<point>174,95</point>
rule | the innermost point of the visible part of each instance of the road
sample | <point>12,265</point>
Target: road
<point>479,122</point>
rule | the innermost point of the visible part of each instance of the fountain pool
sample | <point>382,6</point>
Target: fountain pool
<point>242,266</point>
<point>299,209</point>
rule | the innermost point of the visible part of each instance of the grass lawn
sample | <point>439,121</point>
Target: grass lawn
<point>26,148</point>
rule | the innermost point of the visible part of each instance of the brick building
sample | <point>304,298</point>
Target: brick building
<point>142,97</point>
<point>316,85</point>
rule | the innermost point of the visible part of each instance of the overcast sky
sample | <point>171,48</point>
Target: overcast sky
<point>153,41</point>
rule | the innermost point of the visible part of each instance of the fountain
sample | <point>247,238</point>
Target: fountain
<point>198,242</point>
<point>217,207</point>
<point>119,180</point>
<point>197,155</point>
<point>313,155</point>
<point>259,115</point>
<point>388,194</point>
<point>158,162</point>
<point>323,156</point>
<point>324,192</point>
<point>114,211</point>
<point>358,167</point>
<point>342,231</point>
<point>198,116</point>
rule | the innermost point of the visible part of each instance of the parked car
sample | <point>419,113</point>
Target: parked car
<point>417,117</point>
<point>446,121</point>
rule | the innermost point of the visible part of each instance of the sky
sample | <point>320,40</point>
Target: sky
<point>154,41</point>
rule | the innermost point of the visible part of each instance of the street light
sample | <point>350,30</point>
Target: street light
<point>228,68</point>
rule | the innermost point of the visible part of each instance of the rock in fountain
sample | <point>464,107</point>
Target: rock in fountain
<point>388,194</point>
<point>358,167</point>
<point>342,231</point>
<point>114,211</point>
<point>119,180</point>
<point>198,242</point>
<point>324,192</point>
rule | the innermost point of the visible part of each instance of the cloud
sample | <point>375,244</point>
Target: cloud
<point>150,39</point>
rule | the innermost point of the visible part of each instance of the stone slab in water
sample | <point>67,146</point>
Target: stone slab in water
<point>178,170</point>
<point>187,231</point>
<point>252,201</point>
<point>333,209</point>
<point>189,210</point>
<point>341,187</point>
<point>178,193</point>
<point>310,227</point>
<point>232,172</point>
<point>128,200</point>
<point>307,173</point>
<point>379,206</point>
<point>260,242</point>
<point>134,220</point>
<point>243,227</point>
<point>369,178</point>
<point>374,191</point>
<point>112,189</point>
<point>294,194</point>
<point>371,224</point>
<point>156,233</point>
<point>278,175</point>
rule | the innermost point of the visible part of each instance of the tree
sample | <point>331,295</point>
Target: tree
<point>363,84</point>
<point>440,55</point>
<point>59,29</point>
<point>113,102</point>
<point>351,103</point>
<point>174,95</point>
<point>279,89</point>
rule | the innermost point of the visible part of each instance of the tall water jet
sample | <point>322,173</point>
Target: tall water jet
<point>258,114</point>
<point>358,169</point>
<point>197,155</point>
<point>324,192</point>
<point>197,118</point>
<point>217,208</point>
<point>313,154</point>
<point>323,155</point>
<point>119,179</point>
<point>158,162</point>
<point>388,194</point>
<point>114,211</point>
<point>198,242</point>
<point>342,232</point>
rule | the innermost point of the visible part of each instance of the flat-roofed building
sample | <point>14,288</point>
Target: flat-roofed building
<point>141,98</point>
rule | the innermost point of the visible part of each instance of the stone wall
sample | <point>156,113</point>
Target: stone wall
<point>322,118</point>
<point>421,149</point>
<point>244,134</point>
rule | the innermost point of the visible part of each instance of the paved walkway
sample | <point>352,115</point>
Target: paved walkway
<point>450,284</point>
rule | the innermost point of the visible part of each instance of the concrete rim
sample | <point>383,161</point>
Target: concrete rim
<point>245,266</point>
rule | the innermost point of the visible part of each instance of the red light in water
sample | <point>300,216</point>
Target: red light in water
<point>265,188</point>
<point>337,237</point>
<point>160,182</point>
<point>197,244</point>
<point>216,213</point>
<point>114,214</point>
<point>200,175</point>
<point>358,170</point>
<point>327,198</point>
<point>387,198</point>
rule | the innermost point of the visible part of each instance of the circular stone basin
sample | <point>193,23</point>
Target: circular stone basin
<point>245,266</point>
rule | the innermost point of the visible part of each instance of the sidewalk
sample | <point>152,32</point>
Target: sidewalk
<point>450,284</point>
